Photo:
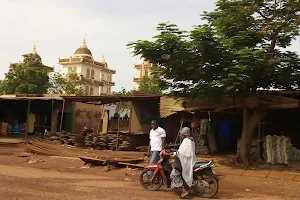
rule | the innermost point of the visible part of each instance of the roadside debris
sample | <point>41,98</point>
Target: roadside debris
<point>109,167</point>
<point>34,160</point>
<point>128,179</point>
<point>24,155</point>
<point>86,166</point>
<point>110,164</point>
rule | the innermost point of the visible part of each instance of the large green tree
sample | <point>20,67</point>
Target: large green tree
<point>69,84</point>
<point>29,77</point>
<point>241,49</point>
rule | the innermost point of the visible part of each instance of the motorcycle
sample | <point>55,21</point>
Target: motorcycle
<point>155,175</point>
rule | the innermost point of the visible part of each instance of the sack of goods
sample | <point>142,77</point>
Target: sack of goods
<point>279,150</point>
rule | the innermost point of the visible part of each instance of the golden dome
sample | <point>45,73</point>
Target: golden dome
<point>103,61</point>
<point>83,50</point>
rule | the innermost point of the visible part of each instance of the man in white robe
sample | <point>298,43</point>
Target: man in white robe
<point>187,157</point>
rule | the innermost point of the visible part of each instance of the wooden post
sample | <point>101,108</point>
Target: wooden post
<point>102,115</point>
<point>28,112</point>
<point>259,138</point>
<point>105,122</point>
<point>62,115</point>
<point>118,132</point>
<point>130,117</point>
<point>52,106</point>
<point>54,121</point>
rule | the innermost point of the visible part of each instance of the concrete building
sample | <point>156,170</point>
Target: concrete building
<point>143,69</point>
<point>96,76</point>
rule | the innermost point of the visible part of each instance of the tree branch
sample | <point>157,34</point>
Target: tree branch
<point>262,15</point>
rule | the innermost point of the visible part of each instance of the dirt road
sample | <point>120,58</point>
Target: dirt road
<point>21,183</point>
<point>59,178</point>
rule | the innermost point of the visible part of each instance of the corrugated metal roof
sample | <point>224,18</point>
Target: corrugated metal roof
<point>14,97</point>
<point>110,99</point>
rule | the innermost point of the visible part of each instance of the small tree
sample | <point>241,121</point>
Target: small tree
<point>240,50</point>
<point>71,84</point>
<point>150,85</point>
<point>29,77</point>
<point>121,107</point>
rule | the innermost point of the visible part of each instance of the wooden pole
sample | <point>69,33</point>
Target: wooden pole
<point>102,114</point>
<point>62,116</point>
<point>118,132</point>
<point>259,139</point>
<point>52,106</point>
<point>130,117</point>
<point>181,123</point>
<point>28,112</point>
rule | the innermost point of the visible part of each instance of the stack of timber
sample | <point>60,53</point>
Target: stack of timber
<point>88,141</point>
<point>143,148</point>
<point>42,148</point>
<point>93,140</point>
<point>55,148</point>
<point>109,158</point>
<point>133,163</point>
<point>109,142</point>
<point>67,138</point>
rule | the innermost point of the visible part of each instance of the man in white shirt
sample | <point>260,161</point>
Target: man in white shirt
<point>157,141</point>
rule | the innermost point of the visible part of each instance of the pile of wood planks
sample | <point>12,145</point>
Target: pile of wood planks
<point>93,140</point>
<point>132,163</point>
<point>94,157</point>
<point>67,138</point>
<point>55,148</point>
<point>108,142</point>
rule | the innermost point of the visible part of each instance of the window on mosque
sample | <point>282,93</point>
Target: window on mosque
<point>75,69</point>
<point>69,70</point>
<point>146,73</point>
<point>102,77</point>
<point>88,75</point>
<point>91,91</point>
<point>86,90</point>
<point>92,74</point>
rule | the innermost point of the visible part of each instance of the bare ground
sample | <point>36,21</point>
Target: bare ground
<point>61,178</point>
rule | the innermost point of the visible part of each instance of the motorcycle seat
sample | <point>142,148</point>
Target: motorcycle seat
<point>202,164</point>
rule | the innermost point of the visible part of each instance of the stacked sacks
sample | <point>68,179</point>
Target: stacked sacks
<point>89,140</point>
<point>202,148</point>
<point>286,142</point>
<point>269,150</point>
<point>276,149</point>
<point>277,144</point>
<point>294,154</point>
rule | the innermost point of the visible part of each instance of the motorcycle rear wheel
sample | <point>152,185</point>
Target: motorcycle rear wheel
<point>156,183</point>
<point>210,179</point>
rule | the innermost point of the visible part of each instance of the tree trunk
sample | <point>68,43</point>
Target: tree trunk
<point>250,122</point>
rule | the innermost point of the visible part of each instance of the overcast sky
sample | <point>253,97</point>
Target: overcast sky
<point>57,27</point>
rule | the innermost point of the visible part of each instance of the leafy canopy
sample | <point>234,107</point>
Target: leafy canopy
<point>239,50</point>
<point>150,84</point>
<point>122,106</point>
<point>29,77</point>
<point>70,84</point>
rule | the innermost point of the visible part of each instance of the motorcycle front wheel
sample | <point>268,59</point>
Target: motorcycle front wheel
<point>207,185</point>
<point>145,180</point>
